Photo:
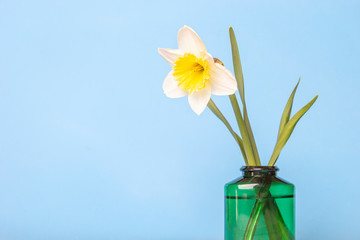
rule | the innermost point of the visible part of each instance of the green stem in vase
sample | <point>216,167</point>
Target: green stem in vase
<point>275,216</point>
<point>274,221</point>
<point>272,226</point>
<point>253,220</point>
<point>262,192</point>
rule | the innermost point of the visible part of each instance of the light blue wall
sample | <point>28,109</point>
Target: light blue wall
<point>90,148</point>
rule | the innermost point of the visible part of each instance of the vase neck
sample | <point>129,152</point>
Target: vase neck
<point>259,171</point>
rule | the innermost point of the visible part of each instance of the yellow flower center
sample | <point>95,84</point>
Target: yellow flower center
<point>191,73</point>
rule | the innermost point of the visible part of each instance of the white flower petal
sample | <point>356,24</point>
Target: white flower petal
<point>171,88</point>
<point>199,100</point>
<point>189,41</point>
<point>222,81</point>
<point>208,57</point>
<point>170,55</point>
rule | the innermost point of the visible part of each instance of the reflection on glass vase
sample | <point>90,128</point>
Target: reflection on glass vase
<point>259,206</point>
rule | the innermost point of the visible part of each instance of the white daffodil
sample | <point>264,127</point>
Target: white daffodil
<point>195,72</point>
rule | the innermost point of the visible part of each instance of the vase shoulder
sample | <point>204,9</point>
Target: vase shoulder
<point>248,186</point>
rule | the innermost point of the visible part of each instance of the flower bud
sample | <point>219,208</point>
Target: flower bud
<point>216,60</point>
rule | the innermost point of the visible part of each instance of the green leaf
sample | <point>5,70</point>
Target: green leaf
<point>243,131</point>
<point>251,137</point>
<point>237,64</point>
<point>287,110</point>
<point>242,147</point>
<point>211,105</point>
<point>287,131</point>
<point>240,83</point>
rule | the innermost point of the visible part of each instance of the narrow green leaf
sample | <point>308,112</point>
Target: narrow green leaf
<point>243,131</point>
<point>237,64</point>
<point>242,147</point>
<point>287,131</point>
<point>240,83</point>
<point>211,105</point>
<point>251,137</point>
<point>287,110</point>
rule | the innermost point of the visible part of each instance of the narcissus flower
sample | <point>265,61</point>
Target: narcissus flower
<point>195,72</point>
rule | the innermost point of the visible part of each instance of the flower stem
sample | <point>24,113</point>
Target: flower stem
<point>244,133</point>
<point>275,224</point>
<point>211,105</point>
<point>253,220</point>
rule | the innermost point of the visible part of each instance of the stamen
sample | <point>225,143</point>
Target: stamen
<point>191,73</point>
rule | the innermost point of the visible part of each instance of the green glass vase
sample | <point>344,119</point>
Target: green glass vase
<point>259,206</point>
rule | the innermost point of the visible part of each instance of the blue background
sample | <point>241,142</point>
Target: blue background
<point>91,148</point>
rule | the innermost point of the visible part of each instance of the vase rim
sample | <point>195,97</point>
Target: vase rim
<point>259,169</point>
